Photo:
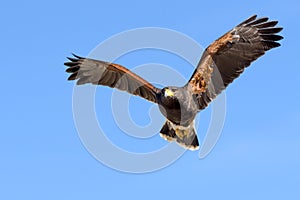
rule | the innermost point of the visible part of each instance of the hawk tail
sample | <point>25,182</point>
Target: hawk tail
<point>185,137</point>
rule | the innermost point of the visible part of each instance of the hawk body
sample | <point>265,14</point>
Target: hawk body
<point>221,63</point>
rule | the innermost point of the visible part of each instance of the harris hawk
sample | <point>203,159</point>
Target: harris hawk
<point>222,62</point>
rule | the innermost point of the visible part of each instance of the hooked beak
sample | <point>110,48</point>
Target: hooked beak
<point>169,93</point>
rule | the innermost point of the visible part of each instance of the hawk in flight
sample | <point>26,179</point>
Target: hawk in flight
<point>222,61</point>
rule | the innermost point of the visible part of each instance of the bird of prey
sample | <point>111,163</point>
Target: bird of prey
<point>222,61</point>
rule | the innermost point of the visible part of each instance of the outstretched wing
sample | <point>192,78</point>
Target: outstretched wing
<point>226,58</point>
<point>109,74</point>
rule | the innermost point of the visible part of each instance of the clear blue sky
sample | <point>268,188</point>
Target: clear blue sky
<point>42,157</point>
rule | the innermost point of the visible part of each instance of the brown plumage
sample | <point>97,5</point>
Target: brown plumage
<point>222,62</point>
<point>109,74</point>
<point>227,57</point>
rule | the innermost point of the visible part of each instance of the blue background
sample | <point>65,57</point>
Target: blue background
<point>257,156</point>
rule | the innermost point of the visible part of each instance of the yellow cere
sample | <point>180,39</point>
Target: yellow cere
<point>169,92</point>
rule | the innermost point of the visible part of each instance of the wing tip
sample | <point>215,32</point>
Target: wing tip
<point>76,56</point>
<point>272,30</point>
<point>73,66</point>
<point>250,19</point>
<point>73,61</point>
<point>73,76</point>
<point>70,64</point>
<point>262,22</point>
